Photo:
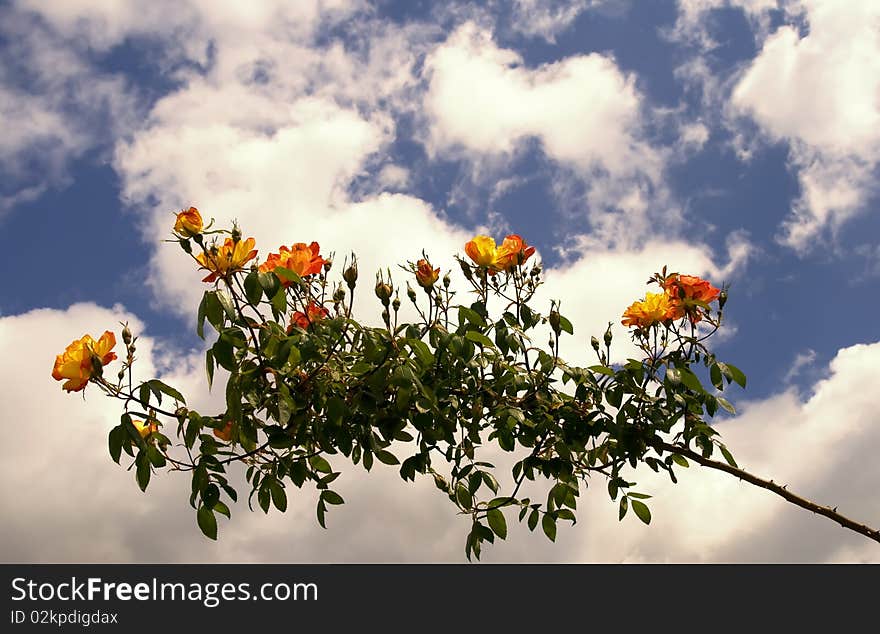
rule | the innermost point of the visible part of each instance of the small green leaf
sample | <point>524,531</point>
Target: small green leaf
<point>480,338</point>
<point>602,369</point>
<point>723,402</point>
<point>727,456</point>
<point>279,497</point>
<point>642,511</point>
<point>207,522</point>
<point>534,516</point>
<point>464,496</point>
<point>548,523</point>
<point>680,460</point>
<point>386,457</point>
<point>624,506</point>
<point>331,497</point>
<point>497,522</point>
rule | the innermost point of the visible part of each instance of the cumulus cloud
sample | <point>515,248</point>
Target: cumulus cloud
<point>483,105</point>
<point>812,84</point>
<point>819,91</point>
<point>55,106</point>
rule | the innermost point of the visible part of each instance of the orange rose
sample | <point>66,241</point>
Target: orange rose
<point>143,429</point>
<point>425,275</point>
<point>314,313</point>
<point>77,362</point>
<point>684,290</point>
<point>512,252</point>
<point>189,223</point>
<point>300,258</point>
<point>227,259</point>
<point>655,308</point>
<point>224,434</point>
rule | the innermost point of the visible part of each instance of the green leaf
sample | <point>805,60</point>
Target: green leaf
<point>737,374</point>
<point>497,522</point>
<point>226,302</point>
<point>288,275</point>
<point>534,516</point>
<point>680,460</point>
<point>727,456</point>
<point>331,497</point>
<point>464,496</point>
<point>723,402</point>
<point>715,375</point>
<point>115,439</point>
<point>142,472</point>
<point>200,320</point>
<point>252,288</point>
<point>548,523</point>
<point>207,522</point>
<point>209,367</point>
<point>690,380</point>
<point>624,506</point>
<point>210,496</point>
<point>320,464</point>
<point>642,511</point>
<point>224,355</point>
<point>220,507</point>
<point>279,497</point>
<point>472,316</point>
<point>279,300</point>
<point>565,324</point>
<point>156,384</point>
<point>213,310</point>
<point>601,369</point>
<point>422,352</point>
<point>478,337</point>
<point>386,457</point>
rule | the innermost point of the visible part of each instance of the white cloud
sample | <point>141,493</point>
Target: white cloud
<point>547,19</point>
<point>484,106</point>
<point>814,85</point>
<point>583,109</point>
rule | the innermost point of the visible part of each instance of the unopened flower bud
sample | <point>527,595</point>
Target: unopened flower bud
<point>339,294</point>
<point>553,318</point>
<point>328,263</point>
<point>595,343</point>
<point>410,292</point>
<point>126,334</point>
<point>608,336</point>
<point>121,374</point>
<point>536,270</point>
<point>396,303</point>
<point>350,274</point>
<point>466,269</point>
<point>722,299</point>
<point>446,280</point>
<point>236,233</point>
<point>383,289</point>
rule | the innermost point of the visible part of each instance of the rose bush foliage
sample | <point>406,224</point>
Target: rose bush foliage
<point>311,388</point>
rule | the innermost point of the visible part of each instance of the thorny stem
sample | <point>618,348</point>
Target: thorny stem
<point>781,490</point>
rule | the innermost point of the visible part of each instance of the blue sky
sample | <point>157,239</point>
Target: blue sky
<point>738,137</point>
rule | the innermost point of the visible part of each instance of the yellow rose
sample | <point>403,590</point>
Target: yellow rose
<point>77,363</point>
<point>226,259</point>
<point>189,223</point>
